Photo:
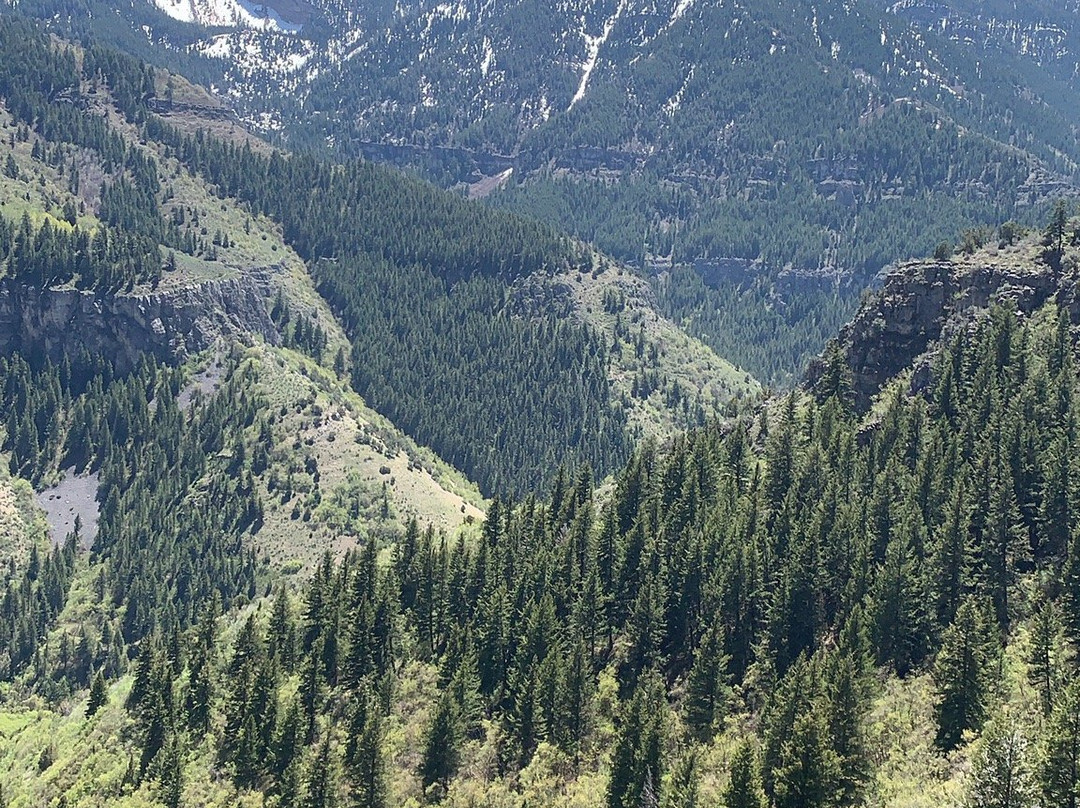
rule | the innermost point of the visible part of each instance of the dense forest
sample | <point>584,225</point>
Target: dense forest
<point>757,583</point>
<point>420,278</point>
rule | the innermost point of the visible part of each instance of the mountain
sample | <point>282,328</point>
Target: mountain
<point>439,338</point>
<point>666,133</point>
<point>830,601</point>
<point>233,580</point>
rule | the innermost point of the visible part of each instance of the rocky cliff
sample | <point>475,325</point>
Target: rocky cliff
<point>898,327</point>
<point>169,325</point>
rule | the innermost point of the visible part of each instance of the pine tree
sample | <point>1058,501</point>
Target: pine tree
<point>637,762</point>
<point>706,687</point>
<point>1043,657</point>
<point>170,775</point>
<point>363,754</point>
<point>320,787</point>
<point>846,708</point>
<point>809,775</point>
<point>963,674</point>
<point>1059,760</point>
<point>442,744</point>
<point>1054,235</point>
<point>744,789</point>
<point>99,695</point>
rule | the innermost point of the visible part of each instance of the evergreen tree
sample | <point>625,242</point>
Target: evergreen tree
<point>442,744</point>
<point>964,674</point>
<point>1047,641</point>
<point>1059,760</point>
<point>637,760</point>
<point>1054,235</point>
<point>706,688</point>
<point>364,756</point>
<point>809,775</point>
<point>320,786</point>
<point>744,789</point>
<point>170,775</point>
<point>99,695</point>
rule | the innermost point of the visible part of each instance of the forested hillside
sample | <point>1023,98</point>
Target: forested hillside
<point>667,133</point>
<point>421,280</point>
<point>814,606</point>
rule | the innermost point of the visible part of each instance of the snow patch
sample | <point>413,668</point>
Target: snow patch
<point>592,47</point>
<point>680,8</point>
<point>226,13</point>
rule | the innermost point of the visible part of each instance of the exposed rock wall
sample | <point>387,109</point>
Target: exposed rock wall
<point>920,301</point>
<point>169,325</point>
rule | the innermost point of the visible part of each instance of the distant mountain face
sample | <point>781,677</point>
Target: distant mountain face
<point>778,149</point>
<point>491,76</point>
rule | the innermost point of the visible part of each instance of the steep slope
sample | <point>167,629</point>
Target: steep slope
<point>192,227</point>
<point>900,329</point>
<point>864,132</point>
<point>811,600</point>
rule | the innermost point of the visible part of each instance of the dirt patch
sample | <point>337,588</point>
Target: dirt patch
<point>205,381</point>
<point>75,496</point>
<point>487,185</point>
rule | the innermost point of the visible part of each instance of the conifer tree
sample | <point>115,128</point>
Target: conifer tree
<point>1054,235</point>
<point>706,687</point>
<point>1000,769</point>
<point>809,775</point>
<point>442,743</point>
<point>744,788</point>
<point>170,775</point>
<point>364,760</point>
<point>963,674</point>
<point>1059,760</point>
<point>99,695</point>
<point>320,786</point>
<point>846,708</point>
<point>1047,641</point>
<point>682,788</point>
<point>637,761</point>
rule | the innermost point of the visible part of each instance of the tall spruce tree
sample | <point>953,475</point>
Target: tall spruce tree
<point>964,674</point>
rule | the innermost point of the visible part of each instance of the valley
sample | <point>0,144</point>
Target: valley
<point>595,476</point>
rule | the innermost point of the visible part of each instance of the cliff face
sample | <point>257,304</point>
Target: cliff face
<point>921,301</point>
<point>169,325</point>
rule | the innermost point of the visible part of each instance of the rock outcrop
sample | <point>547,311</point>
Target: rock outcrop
<point>921,301</point>
<point>170,325</point>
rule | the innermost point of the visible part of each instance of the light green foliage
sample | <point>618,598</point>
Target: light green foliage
<point>1001,769</point>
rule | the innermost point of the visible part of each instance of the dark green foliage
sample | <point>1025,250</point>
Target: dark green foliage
<point>320,785</point>
<point>809,774</point>
<point>423,284</point>
<point>637,763</point>
<point>441,747</point>
<point>1059,762</point>
<point>1054,236</point>
<point>99,695</point>
<point>1046,653</point>
<point>964,673</point>
<point>364,761</point>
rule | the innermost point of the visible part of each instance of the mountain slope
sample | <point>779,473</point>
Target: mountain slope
<point>665,134</point>
<point>193,227</point>
<point>865,606</point>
